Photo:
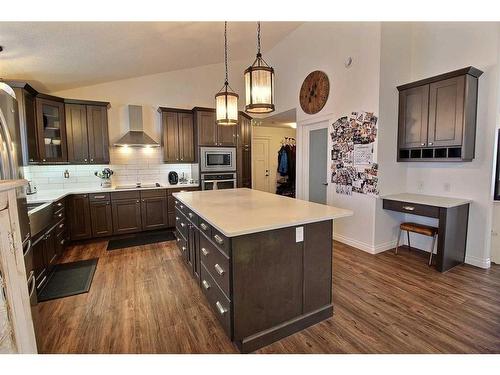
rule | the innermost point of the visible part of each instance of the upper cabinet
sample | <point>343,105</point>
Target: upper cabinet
<point>51,131</point>
<point>178,136</point>
<point>437,117</point>
<point>211,134</point>
<point>87,133</point>
<point>244,151</point>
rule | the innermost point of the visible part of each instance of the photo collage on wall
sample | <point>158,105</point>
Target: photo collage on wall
<point>353,168</point>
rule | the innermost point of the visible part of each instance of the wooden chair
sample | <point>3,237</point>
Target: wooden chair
<point>425,230</point>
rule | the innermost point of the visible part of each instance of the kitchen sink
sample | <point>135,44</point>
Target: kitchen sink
<point>137,186</point>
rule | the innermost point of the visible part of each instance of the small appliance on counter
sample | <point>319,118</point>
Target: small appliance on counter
<point>173,178</point>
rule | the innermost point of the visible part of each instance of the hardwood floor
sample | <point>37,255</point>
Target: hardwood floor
<point>143,300</point>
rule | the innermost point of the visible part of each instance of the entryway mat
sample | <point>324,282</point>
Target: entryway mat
<point>141,239</point>
<point>69,279</point>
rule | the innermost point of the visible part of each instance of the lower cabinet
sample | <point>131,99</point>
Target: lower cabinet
<point>126,216</point>
<point>45,252</point>
<point>79,217</point>
<point>154,209</point>
<point>101,218</point>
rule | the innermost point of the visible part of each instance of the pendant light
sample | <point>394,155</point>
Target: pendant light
<point>226,100</point>
<point>259,84</point>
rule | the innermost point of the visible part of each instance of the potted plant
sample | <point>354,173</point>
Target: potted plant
<point>105,176</point>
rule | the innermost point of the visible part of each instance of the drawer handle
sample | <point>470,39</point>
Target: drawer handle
<point>205,284</point>
<point>181,206</point>
<point>62,242</point>
<point>221,308</point>
<point>177,218</point>
<point>183,225</point>
<point>99,196</point>
<point>183,248</point>
<point>61,225</point>
<point>60,215</point>
<point>178,240</point>
<point>204,226</point>
<point>59,204</point>
<point>218,239</point>
<point>409,208</point>
<point>190,215</point>
<point>176,203</point>
<point>204,251</point>
<point>219,269</point>
<point>41,282</point>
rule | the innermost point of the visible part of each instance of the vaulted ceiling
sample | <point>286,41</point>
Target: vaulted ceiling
<point>56,56</point>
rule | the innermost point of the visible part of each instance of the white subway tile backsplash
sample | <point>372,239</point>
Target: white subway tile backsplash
<point>129,166</point>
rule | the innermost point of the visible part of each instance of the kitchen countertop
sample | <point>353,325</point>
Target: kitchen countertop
<point>54,195</point>
<point>428,200</point>
<point>11,184</point>
<point>235,212</point>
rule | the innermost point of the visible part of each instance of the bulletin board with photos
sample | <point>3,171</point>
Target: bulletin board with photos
<point>353,166</point>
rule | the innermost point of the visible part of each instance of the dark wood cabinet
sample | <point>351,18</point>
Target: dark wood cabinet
<point>80,226</point>
<point>126,216</point>
<point>437,117</point>
<point>50,248</point>
<point>101,218</point>
<point>51,130</point>
<point>211,134</point>
<point>154,213</point>
<point>178,136</point>
<point>87,133</point>
<point>45,253</point>
<point>77,133</point>
<point>244,151</point>
<point>98,137</point>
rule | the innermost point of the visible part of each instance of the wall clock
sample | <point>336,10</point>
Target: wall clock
<point>314,92</point>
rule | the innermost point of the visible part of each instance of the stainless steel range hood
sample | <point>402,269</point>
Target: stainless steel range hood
<point>136,137</point>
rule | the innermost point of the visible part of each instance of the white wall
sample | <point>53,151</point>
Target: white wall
<point>325,46</point>
<point>275,136</point>
<point>438,48</point>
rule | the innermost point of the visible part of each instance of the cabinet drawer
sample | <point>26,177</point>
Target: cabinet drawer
<point>59,204</point>
<point>221,241</point>
<point>217,300</point>
<point>181,206</point>
<point>192,217</point>
<point>61,227</point>
<point>181,244</point>
<point>134,194</point>
<point>59,214</point>
<point>153,193</point>
<point>411,208</point>
<point>205,227</point>
<point>215,262</point>
<point>181,223</point>
<point>99,197</point>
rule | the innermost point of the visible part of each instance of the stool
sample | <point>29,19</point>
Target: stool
<point>425,230</point>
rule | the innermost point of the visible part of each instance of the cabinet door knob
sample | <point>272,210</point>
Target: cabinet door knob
<point>44,160</point>
<point>422,144</point>
<point>91,159</point>
<point>85,160</point>
<point>137,201</point>
<point>430,143</point>
<point>219,269</point>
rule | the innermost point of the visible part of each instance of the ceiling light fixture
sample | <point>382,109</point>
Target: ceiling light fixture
<point>259,84</point>
<point>226,100</point>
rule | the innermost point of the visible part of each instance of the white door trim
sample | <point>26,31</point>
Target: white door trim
<point>303,129</point>
<point>261,138</point>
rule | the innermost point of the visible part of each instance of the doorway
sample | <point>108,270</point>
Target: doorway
<point>260,164</point>
<point>318,143</point>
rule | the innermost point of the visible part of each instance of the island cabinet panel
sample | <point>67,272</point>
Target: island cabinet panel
<point>267,280</point>
<point>79,217</point>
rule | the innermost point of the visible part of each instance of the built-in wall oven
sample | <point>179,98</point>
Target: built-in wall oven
<point>218,181</point>
<point>217,159</point>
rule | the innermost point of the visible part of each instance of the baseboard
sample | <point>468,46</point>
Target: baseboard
<point>478,262</point>
<point>364,246</point>
<point>472,260</point>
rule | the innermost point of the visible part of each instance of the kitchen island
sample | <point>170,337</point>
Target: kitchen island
<point>263,261</point>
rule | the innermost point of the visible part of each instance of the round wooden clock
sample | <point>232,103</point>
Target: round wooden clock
<point>314,92</point>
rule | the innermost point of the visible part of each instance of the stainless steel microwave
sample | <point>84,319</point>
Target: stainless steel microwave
<point>217,159</point>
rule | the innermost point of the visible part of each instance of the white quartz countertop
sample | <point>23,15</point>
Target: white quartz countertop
<point>236,212</point>
<point>429,200</point>
<point>43,196</point>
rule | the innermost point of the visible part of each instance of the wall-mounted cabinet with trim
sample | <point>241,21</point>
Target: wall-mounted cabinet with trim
<point>437,117</point>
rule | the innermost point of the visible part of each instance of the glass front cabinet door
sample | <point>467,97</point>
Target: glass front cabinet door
<point>51,131</point>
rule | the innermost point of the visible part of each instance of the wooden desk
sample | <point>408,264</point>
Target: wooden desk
<point>453,217</point>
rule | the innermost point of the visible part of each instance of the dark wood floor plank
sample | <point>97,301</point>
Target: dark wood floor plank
<point>143,300</point>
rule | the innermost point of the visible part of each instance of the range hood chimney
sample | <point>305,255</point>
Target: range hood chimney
<point>136,137</point>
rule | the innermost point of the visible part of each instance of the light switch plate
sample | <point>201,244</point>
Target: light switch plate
<point>299,234</point>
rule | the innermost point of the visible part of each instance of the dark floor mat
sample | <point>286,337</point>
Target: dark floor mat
<point>141,239</point>
<point>69,279</point>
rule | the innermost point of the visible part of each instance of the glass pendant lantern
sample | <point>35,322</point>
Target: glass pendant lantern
<point>226,100</point>
<point>259,84</point>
